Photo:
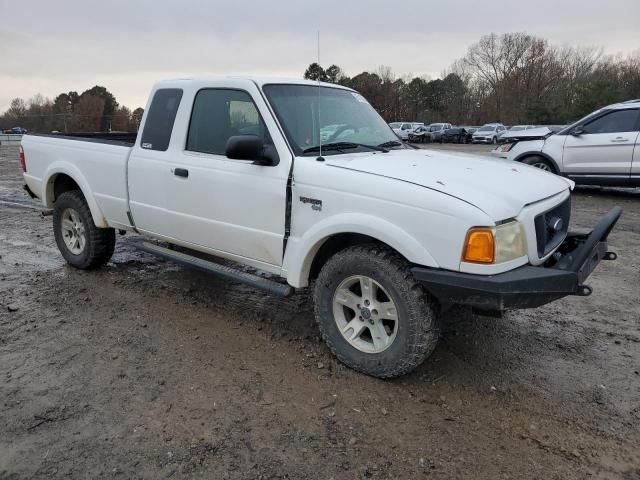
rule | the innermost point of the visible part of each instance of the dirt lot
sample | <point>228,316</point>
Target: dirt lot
<point>147,370</point>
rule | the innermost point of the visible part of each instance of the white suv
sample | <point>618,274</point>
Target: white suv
<point>603,148</point>
<point>403,129</point>
<point>488,133</point>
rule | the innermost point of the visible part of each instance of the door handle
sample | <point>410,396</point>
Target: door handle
<point>181,172</point>
<point>619,140</point>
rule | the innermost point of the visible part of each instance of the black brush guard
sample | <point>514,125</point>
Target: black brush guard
<point>528,286</point>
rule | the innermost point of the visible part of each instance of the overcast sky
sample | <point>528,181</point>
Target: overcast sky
<point>55,46</point>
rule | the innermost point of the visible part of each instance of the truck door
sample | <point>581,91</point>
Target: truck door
<point>149,164</point>
<point>604,148</point>
<point>231,207</point>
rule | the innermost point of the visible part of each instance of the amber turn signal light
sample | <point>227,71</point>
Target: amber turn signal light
<point>479,246</point>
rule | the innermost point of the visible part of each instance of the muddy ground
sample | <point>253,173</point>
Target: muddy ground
<point>147,370</point>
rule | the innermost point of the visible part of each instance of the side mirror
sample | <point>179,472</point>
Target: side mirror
<point>576,132</point>
<point>251,147</point>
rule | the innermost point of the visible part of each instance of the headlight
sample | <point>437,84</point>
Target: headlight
<point>506,147</point>
<point>511,241</point>
<point>496,244</point>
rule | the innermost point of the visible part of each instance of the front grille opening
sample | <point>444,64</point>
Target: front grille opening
<point>552,227</point>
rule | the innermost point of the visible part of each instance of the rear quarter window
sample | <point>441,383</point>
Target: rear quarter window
<point>160,119</point>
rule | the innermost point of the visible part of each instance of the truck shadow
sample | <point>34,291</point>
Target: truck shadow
<point>613,192</point>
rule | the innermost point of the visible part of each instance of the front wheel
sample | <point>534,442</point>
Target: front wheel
<point>494,140</point>
<point>373,314</point>
<point>539,162</point>
<point>82,244</point>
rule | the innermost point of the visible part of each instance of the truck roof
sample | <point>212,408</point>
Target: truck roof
<point>260,80</point>
<point>622,105</point>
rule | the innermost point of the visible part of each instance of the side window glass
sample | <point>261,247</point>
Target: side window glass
<point>160,118</point>
<point>614,122</point>
<point>219,114</point>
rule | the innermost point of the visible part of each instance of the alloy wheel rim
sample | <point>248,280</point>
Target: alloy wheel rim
<point>542,166</point>
<point>365,314</point>
<point>73,231</point>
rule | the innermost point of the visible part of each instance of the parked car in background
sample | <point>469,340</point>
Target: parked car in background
<point>515,128</point>
<point>603,148</point>
<point>16,131</point>
<point>488,133</point>
<point>403,129</point>
<point>437,129</point>
<point>456,135</point>
<point>420,134</point>
<point>471,131</point>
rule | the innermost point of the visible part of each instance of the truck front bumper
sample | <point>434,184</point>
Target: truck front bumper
<point>528,286</point>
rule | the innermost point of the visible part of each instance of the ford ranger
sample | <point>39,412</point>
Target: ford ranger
<point>232,172</point>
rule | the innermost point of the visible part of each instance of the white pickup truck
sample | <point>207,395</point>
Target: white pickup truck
<point>389,236</point>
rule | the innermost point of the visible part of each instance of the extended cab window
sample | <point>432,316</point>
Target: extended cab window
<point>160,118</point>
<point>219,114</point>
<point>614,122</point>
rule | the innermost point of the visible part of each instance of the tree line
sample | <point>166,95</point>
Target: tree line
<point>94,110</point>
<point>514,78</point>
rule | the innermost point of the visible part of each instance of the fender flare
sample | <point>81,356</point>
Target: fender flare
<point>538,153</point>
<point>302,251</point>
<point>57,168</point>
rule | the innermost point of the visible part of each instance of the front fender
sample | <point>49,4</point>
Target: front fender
<point>302,250</point>
<point>60,167</point>
<point>531,153</point>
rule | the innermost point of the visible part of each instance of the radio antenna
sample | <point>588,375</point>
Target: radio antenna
<point>319,129</point>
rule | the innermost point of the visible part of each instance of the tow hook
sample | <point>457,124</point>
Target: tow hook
<point>583,291</point>
<point>610,256</point>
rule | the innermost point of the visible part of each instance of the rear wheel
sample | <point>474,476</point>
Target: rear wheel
<point>81,243</point>
<point>540,162</point>
<point>373,314</point>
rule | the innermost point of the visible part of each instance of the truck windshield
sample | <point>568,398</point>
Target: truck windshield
<point>343,116</point>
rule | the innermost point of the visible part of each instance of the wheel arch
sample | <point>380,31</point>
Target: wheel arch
<point>64,178</point>
<point>309,253</point>
<point>522,156</point>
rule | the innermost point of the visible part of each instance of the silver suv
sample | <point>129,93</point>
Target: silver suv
<point>488,133</point>
<point>603,148</point>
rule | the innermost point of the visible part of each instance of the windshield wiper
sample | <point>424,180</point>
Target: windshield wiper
<point>344,146</point>
<point>391,143</point>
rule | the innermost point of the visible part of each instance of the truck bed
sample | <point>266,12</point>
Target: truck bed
<point>97,162</point>
<point>125,139</point>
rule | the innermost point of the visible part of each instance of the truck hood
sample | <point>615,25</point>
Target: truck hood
<point>497,187</point>
<point>531,134</point>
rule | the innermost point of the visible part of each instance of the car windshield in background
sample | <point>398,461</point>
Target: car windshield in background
<point>395,125</point>
<point>343,117</point>
<point>517,129</point>
<point>486,129</point>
